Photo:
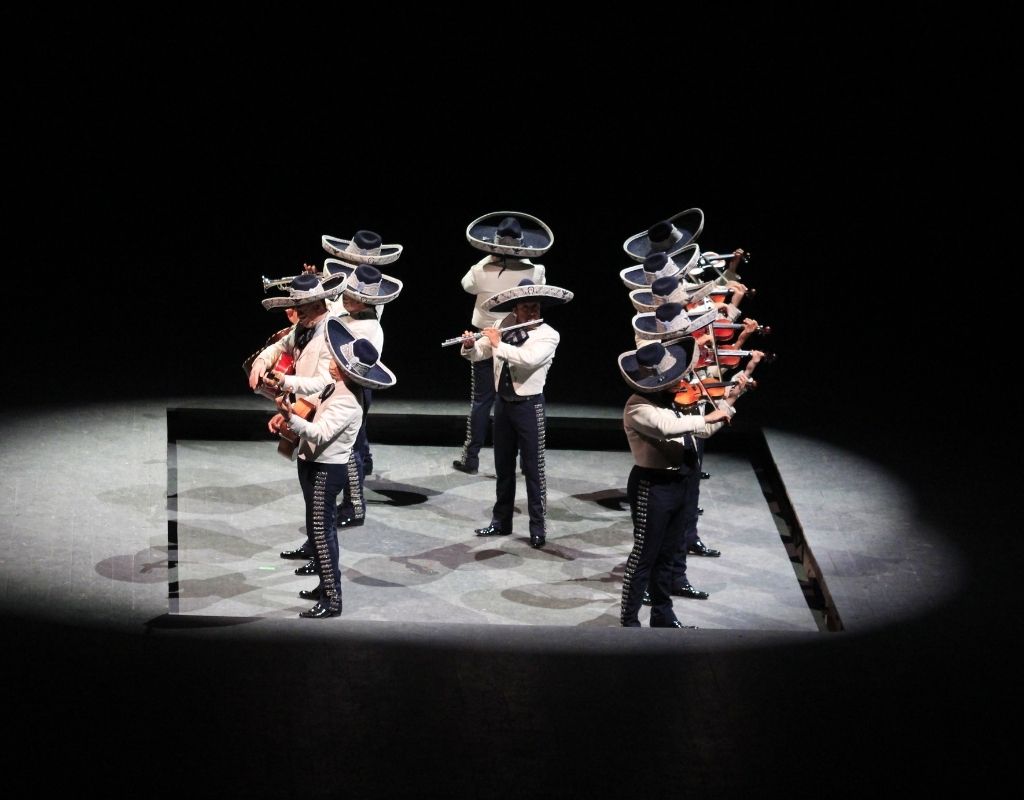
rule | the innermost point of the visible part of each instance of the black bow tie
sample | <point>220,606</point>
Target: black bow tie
<point>516,337</point>
<point>303,335</point>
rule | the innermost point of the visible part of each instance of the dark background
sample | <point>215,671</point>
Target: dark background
<point>158,173</point>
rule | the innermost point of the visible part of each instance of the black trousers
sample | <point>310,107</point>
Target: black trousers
<point>690,517</point>
<point>658,505</point>
<point>321,484</point>
<point>479,420</point>
<point>520,426</point>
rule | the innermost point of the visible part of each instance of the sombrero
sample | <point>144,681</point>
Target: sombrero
<point>545,294</point>
<point>364,282</point>
<point>307,288</point>
<point>363,248</point>
<point>510,233</point>
<point>669,236</point>
<point>655,367</point>
<point>357,358</point>
<point>660,265</point>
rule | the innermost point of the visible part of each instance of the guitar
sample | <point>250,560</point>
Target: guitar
<point>284,365</point>
<point>289,439</point>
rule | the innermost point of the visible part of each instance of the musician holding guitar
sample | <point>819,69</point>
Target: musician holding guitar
<point>326,453</point>
<point>310,365</point>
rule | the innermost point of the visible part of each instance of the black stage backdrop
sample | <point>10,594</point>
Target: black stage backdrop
<point>160,174</point>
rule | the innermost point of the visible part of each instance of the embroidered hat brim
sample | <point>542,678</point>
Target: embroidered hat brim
<point>537,238</point>
<point>682,355</point>
<point>344,248</point>
<point>648,326</point>
<point>545,294</point>
<point>686,259</point>
<point>686,225</point>
<point>387,291</point>
<point>339,339</point>
<point>328,289</point>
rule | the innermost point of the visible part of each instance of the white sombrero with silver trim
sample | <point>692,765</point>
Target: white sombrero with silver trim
<point>363,248</point>
<point>672,319</point>
<point>527,290</point>
<point>307,288</point>
<point>660,265</point>
<point>365,282</point>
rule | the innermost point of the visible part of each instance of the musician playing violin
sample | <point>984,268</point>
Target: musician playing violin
<point>666,473</point>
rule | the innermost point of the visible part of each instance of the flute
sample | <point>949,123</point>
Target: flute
<point>478,334</point>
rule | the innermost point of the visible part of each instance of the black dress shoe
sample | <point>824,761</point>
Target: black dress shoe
<point>700,510</point>
<point>461,466</point>
<point>688,591</point>
<point>350,522</point>
<point>297,553</point>
<point>704,475</point>
<point>537,541</point>
<point>490,530</point>
<point>312,594</point>
<point>674,624</point>
<point>698,548</point>
<point>319,611</point>
<point>309,568</point>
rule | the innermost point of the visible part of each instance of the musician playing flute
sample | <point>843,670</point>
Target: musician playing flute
<point>520,358</point>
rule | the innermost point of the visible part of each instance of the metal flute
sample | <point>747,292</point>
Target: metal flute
<point>478,334</point>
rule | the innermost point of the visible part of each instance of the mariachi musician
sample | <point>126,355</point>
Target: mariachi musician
<point>310,370</point>
<point>678,291</point>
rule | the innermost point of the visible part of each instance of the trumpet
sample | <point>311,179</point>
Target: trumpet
<point>280,283</point>
<point>478,334</point>
<point>276,283</point>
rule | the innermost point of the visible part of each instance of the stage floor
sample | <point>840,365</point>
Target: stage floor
<point>128,523</point>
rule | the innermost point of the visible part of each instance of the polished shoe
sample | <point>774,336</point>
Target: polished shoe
<point>674,624</point>
<point>698,548</point>
<point>705,475</point>
<point>319,611</point>
<point>350,522</point>
<point>309,568</point>
<point>700,510</point>
<point>462,467</point>
<point>491,530</point>
<point>688,591</point>
<point>297,553</point>
<point>647,598</point>
<point>537,541</point>
<point>312,594</point>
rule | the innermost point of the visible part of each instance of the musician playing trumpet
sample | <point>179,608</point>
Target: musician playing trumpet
<point>521,359</point>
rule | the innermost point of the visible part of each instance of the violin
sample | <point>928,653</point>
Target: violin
<point>689,394</point>
<point>725,332</point>
<point>723,294</point>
